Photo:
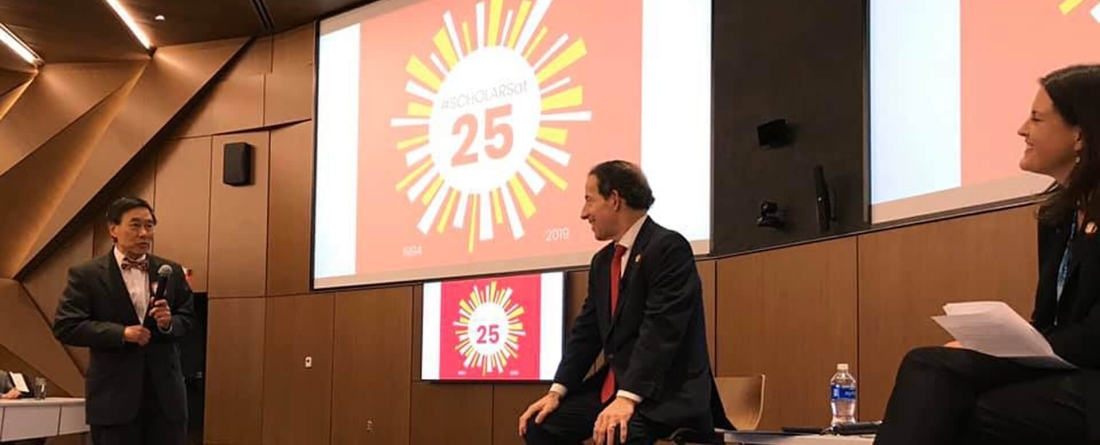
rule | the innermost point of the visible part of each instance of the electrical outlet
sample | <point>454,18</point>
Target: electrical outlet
<point>370,426</point>
<point>309,362</point>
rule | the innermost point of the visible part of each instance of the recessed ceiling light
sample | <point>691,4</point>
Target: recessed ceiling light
<point>18,46</point>
<point>130,23</point>
<point>159,18</point>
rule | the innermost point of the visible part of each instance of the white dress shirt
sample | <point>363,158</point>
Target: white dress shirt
<point>137,285</point>
<point>627,241</point>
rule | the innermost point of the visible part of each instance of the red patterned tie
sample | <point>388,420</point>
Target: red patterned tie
<point>608,390</point>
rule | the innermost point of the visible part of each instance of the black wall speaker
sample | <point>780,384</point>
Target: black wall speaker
<point>775,133</point>
<point>237,169</point>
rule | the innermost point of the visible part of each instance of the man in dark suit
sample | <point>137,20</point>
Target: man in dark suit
<point>134,388</point>
<point>644,310</point>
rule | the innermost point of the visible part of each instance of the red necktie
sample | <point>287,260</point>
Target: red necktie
<point>616,269</point>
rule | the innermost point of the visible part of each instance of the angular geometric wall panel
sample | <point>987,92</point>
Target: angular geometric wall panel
<point>52,167</point>
<point>26,334</point>
<point>172,79</point>
<point>58,95</point>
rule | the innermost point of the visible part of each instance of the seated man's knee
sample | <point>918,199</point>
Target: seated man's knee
<point>536,433</point>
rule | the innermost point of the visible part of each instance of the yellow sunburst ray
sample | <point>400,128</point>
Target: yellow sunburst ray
<point>493,291</point>
<point>562,61</point>
<point>417,109</point>
<point>569,98</point>
<point>535,43</point>
<point>432,190</point>
<point>416,173</point>
<point>1068,6</point>
<point>521,18</point>
<point>516,313</point>
<point>421,72</point>
<point>475,297</point>
<point>546,172</point>
<point>495,7</point>
<point>498,215</point>
<point>525,203</point>
<point>412,142</point>
<point>443,44</point>
<point>473,225</point>
<point>465,306</point>
<point>552,135</point>
<point>466,37</point>
<point>447,211</point>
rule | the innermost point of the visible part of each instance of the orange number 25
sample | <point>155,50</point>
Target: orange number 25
<point>468,123</point>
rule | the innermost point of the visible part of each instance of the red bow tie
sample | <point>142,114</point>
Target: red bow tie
<point>128,264</point>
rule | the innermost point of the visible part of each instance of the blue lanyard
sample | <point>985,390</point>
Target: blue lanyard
<point>1063,269</point>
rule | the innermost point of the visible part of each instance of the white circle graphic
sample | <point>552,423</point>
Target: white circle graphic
<point>485,119</point>
<point>488,329</point>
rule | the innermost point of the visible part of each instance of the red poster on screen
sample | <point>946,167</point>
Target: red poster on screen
<point>490,329</point>
<point>479,121</point>
<point>1006,47</point>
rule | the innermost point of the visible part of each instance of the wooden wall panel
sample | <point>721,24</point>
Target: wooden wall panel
<point>291,198</point>
<point>182,201</point>
<point>48,281</point>
<point>452,414</point>
<point>239,223</point>
<point>25,333</point>
<point>52,167</point>
<point>57,96</point>
<point>10,80</point>
<point>708,275</point>
<point>373,354</point>
<point>10,97</point>
<point>791,315</point>
<point>290,86</point>
<point>168,83</point>
<point>235,371</point>
<point>907,275</point>
<point>236,101</point>
<point>509,402</point>
<point>417,331</point>
<point>298,398</point>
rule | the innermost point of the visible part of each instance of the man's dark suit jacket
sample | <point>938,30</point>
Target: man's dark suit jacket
<point>1076,335</point>
<point>94,311</point>
<point>656,342</point>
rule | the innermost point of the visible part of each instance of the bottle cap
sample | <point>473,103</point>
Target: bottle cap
<point>841,366</point>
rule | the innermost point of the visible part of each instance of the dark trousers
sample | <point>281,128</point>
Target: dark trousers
<point>150,427</point>
<point>575,420</point>
<point>948,396</point>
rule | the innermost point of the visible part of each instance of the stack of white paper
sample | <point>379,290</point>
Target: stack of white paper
<point>993,328</point>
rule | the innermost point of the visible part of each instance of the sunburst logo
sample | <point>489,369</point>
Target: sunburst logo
<point>1067,6</point>
<point>489,328</point>
<point>492,108</point>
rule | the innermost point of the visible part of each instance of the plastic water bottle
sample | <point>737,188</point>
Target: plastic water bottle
<point>842,397</point>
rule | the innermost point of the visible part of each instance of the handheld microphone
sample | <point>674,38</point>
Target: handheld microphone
<point>163,274</point>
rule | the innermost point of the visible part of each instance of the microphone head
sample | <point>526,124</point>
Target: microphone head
<point>165,271</point>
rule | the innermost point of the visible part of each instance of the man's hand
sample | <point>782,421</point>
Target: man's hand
<point>162,314</point>
<point>10,395</point>
<point>137,334</point>
<point>617,414</point>
<point>540,409</point>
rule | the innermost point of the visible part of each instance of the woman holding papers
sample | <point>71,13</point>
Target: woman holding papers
<point>951,395</point>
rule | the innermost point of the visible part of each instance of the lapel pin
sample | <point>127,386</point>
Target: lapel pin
<point>1090,228</point>
<point>638,258</point>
